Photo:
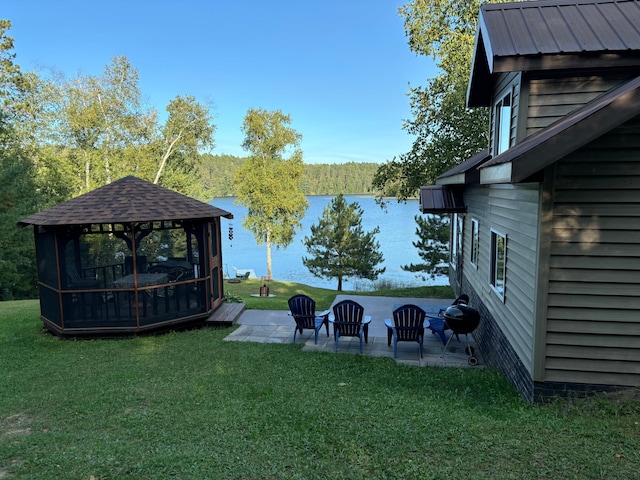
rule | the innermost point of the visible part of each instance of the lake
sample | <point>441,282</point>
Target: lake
<point>397,232</point>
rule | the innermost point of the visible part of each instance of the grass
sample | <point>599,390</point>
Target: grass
<point>324,297</point>
<point>189,405</point>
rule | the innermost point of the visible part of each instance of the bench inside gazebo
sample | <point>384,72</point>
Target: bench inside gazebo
<point>126,258</point>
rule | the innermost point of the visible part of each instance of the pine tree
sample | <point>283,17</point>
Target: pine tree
<point>432,245</point>
<point>338,246</point>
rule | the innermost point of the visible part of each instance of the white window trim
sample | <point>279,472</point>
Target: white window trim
<point>475,242</point>
<point>492,265</point>
<point>500,128</point>
<point>457,229</point>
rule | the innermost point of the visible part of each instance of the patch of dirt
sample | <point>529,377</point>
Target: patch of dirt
<point>5,471</point>
<point>14,425</point>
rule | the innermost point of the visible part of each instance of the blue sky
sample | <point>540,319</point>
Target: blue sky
<point>340,68</point>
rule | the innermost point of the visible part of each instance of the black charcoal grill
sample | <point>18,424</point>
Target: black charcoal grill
<point>462,320</point>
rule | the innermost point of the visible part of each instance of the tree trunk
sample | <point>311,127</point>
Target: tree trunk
<point>268,242</point>
<point>87,173</point>
<point>165,157</point>
<point>107,167</point>
<point>339,284</point>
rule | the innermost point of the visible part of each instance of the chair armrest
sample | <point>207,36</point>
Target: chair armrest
<point>367,319</point>
<point>388,323</point>
<point>289,313</point>
<point>323,313</point>
<point>332,318</point>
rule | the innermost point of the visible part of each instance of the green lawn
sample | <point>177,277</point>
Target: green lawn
<point>190,406</point>
<point>323,297</point>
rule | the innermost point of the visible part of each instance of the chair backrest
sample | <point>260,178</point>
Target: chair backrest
<point>76,282</point>
<point>461,300</point>
<point>348,317</point>
<point>409,322</point>
<point>303,310</point>
<point>73,274</point>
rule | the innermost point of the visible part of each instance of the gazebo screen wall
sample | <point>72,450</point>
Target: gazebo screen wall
<point>48,274</point>
<point>100,306</point>
<point>217,281</point>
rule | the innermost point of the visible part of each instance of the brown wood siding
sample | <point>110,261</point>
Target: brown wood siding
<point>593,314</point>
<point>511,210</point>
<point>550,99</point>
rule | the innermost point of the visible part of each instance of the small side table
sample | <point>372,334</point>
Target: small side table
<point>437,326</point>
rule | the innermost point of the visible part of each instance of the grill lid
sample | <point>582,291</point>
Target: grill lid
<point>460,312</point>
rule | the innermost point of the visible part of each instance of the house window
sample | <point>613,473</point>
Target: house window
<point>503,125</point>
<point>475,241</point>
<point>456,240</point>
<point>498,262</point>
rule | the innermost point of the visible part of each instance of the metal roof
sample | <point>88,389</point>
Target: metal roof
<point>466,172</point>
<point>552,34</point>
<point>128,200</point>
<point>441,199</point>
<point>561,26</point>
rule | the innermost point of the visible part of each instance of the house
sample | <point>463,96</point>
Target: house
<point>546,220</point>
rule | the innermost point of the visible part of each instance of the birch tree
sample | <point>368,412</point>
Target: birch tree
<point>103,116</point>
<point>268,184</point>
<point>109,131</point>
<point>188,130</point>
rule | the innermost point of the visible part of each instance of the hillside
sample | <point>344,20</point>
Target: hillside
<point>319,179</point>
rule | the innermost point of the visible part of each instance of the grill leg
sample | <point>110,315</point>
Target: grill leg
<point>444,349</point>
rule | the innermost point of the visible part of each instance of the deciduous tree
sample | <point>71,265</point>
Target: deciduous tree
<point>268,184</point>
<point>108,131</point>
<point>189,128</point>
<point>22,189</point>
<point>18,198</point>
<point>101,117</point>
<point>60,138</point>
<point>446,132</point>
<point>339,247</point>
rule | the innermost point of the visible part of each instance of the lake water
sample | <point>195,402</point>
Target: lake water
<point>397,232</point>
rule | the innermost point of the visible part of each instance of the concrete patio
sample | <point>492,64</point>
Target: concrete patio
<point>275,326</point>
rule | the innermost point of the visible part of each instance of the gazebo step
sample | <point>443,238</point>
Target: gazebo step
<point>226,314</point>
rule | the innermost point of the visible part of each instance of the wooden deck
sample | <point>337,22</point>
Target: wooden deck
<point>226,314</point>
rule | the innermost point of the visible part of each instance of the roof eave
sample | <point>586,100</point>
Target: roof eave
<point>125,201</point>
<point>118,221</point>
<point>459,179</point>
<point>501,173</point>
<point>480,84</point>
<point>565,61</point>
<point>465,173</point>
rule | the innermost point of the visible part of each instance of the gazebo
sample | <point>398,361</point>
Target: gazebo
<point>127,258</point>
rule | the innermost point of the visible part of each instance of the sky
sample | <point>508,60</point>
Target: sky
<point>340,68</point>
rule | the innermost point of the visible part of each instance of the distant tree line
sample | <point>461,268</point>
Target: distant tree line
<point>218,171</point>
<point>346,178</point>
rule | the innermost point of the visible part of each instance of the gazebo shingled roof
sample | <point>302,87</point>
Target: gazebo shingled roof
<point>129,199</point>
